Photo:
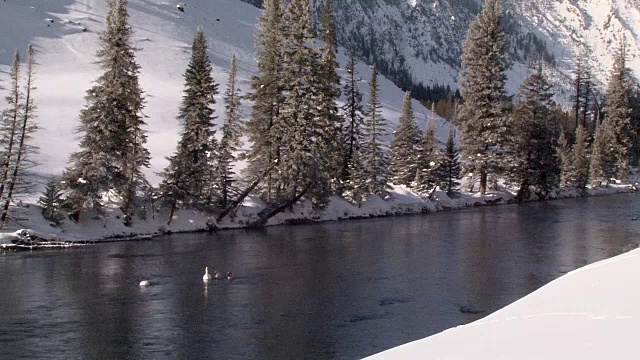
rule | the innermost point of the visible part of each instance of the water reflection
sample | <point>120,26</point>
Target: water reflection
<point>331,291</point>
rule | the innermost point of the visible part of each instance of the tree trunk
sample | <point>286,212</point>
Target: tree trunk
<point>483,181</point>
<point>173,211</point>
<point>270,212</point>
<point>231,207</point>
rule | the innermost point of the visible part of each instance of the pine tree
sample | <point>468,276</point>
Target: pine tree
<point>231,139</point>
<point>403,150</point>
<point>112,147</point>
<point>354,122</point>
<point>374,157</point>
<point>51,201</point>
<point>298,166</point>
<point>532,148</point>
<point>356,189</point>
<point>565,153</point>
<point>329,123</point>
<point>17,182</point>
<point>449,169</point>
<point>597,160</point>
<point>482,116</point>
<point>619,112</point>
<point>267,94</point>
<point>10,118</point>
<point>427,161</point>
<point>188,178</point>
<point>579,174</point>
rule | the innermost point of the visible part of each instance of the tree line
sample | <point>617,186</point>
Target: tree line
<point>531,142</point>
<point>303,145</point>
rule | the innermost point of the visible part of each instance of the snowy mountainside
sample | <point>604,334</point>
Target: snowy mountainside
<point>64,33</point>
<point>420,41</point>
<point>572,29</point>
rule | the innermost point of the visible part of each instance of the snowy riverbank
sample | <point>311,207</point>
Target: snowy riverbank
<point>400,202</point>
<point>591,313</point>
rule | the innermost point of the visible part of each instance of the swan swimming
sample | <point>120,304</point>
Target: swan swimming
<point>144,283</point>
<point>207,276</point>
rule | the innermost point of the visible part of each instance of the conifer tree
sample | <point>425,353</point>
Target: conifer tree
<point>301,165</point>
<point>354,119</point>
<point>619,111</point>
<point>449,169</point>
<point>51,201</point>
<point>598,157</point>
<point>17,182</point>
<point>10,123</point>
<point>356,187</point>
<point>403,150</point>
<point>427,161</point>
<point>329,124</point>
<point>267,94</point>
<point>374,157</point>
<point>532,147</point>
<point>112,148</point>
<point>482,116</point>
<point>231,138</point>
<point>188,178</point>
<point>565,153</point>
<point>579,174</point>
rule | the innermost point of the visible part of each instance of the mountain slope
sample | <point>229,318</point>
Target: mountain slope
<point>65,55</point>
<point>420,41</point>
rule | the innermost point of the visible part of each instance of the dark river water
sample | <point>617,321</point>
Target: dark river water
<point>330,291</point>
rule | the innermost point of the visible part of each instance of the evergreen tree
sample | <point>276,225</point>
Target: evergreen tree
<point>403,151</point>
<point>356,189</point>
<point>17,182</point>
<point>51,201</point>
<point>427,161</point>
<point>603,156</point>
<point>302,165</point>
<point>268,97</point>
<point>354,122</point>
<point>565,153</point>
<point>329,124</point>
<point>112,147</point>
<point>231,139</point>
<point>619,112</point>
<point>532,151</point>
<point>449,169</point>
<point>10,124</point>
<point>188,178</point>
<point>374,157</point>
<point>482,116</point>
<point>597,160</point>
<point>579,174</point>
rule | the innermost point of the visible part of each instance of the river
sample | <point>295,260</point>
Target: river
<point>340,290</point>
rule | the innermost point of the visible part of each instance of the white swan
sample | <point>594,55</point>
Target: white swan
<point>144,283</point>
<point>207,276</point>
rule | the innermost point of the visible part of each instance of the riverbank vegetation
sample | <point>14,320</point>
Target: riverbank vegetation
<point>312,146</point>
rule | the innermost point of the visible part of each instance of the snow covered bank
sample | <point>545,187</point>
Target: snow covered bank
<point>591,313</point>
<point>402,201</point>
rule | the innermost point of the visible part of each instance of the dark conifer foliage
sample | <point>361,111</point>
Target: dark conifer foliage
<point>225,177</point>
<point>534,161</point>
<point>449,168</point>
<point>483,117</point>
<point>404,146</point>
<point>112,147</point>
<point>189,178</point>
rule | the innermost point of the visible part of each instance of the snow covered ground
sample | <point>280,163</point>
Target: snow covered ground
<point>591,313</point>
<point>401,201</point>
